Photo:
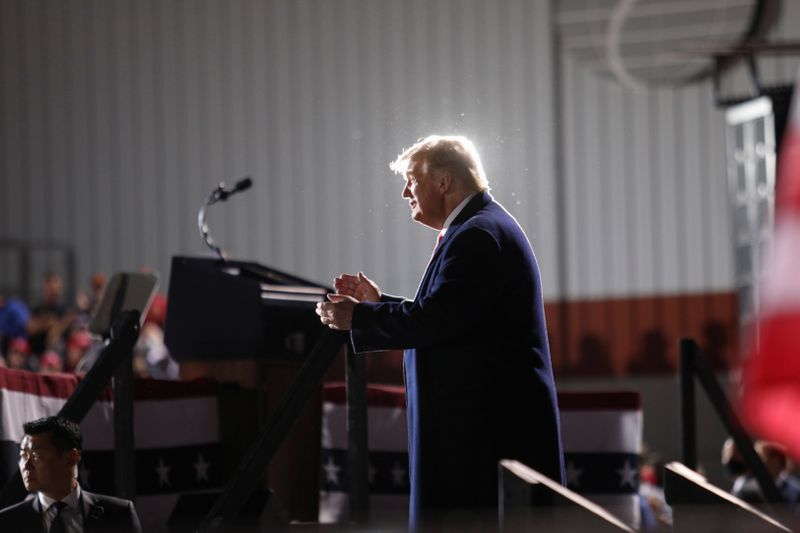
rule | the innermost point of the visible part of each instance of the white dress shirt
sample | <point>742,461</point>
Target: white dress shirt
<point>455,212</point>
<point>72,514</point>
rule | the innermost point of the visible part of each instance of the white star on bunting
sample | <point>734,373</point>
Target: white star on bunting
<point>163,473</point>
<point>201,468</point>
<point>627,475</point>
<point>331,471</point>
<point>398,475</point>
<point>573,475</point>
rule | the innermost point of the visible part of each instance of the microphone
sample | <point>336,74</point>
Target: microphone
<point>241,185</point>
<point>219,194</point>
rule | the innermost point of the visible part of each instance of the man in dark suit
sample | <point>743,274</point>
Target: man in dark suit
<point>48,460</point>
<point>479,381</point>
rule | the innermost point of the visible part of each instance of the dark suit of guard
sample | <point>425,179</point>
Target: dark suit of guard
<point>479,381</point>
<point>101,514</point>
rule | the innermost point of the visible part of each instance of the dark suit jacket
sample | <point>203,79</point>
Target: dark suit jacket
<point>100,514</point>
<point>479,381</point>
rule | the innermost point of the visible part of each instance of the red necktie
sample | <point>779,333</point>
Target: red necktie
<point>438,240</point>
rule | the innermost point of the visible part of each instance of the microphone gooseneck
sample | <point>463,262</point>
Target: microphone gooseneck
<point>218,194</point>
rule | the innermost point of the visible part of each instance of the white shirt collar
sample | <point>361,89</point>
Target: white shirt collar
<point>73,500</point>
<point>455,212</point>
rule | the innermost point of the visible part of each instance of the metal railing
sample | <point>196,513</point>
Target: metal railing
<point>694,364</point>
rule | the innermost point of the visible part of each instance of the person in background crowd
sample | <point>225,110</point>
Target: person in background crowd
<point>745,486</point>
<point>80,349</point>
<point>151,357</point>
<point>14,317</point>
<point>78,344</point>
<point>19,356</point>
<point>97,283</point>
<point>780,468</point>
<point>86,300</point>
<point>50,319</point>
<point>657,514</point>
<point>50,362</point>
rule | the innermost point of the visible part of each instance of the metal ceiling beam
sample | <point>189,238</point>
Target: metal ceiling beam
<point>583,16</point>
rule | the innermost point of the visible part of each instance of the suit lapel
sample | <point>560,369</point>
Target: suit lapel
<point>30,516</point>
<point>479,201</point>
<point>92,511</point>
<point>33,515</point>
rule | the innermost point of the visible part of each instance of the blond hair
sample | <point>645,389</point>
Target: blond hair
<point>455,153</point>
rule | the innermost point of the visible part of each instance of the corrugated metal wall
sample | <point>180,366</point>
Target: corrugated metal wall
<point>645,182</point>
<point>117,117</point>
<point>646,199</point>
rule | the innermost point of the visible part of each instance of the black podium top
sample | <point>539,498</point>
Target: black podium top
<point>239,310</point>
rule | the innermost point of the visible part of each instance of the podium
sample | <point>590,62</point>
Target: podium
<point>251,324</point>
<point>222,310</point>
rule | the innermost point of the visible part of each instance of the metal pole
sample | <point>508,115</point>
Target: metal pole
<point>688,422</point>
<point>357,446</point>
<point>722,406</point>
<point>124,448</point>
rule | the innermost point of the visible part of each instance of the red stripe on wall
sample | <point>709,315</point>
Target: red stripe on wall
<point>630,336</point>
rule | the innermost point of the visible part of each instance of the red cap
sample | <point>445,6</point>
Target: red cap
<point>19,344</point>
<point>50,359</point>
<point>80,339</point>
